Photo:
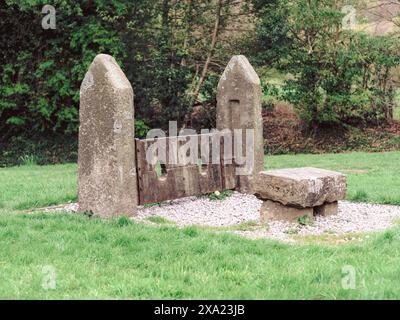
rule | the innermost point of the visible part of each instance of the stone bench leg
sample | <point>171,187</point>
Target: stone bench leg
<point>327,209</point>
<point>272,210</point>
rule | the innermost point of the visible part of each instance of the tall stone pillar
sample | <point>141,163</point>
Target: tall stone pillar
<point>107,182</point>
<point>239,107</point>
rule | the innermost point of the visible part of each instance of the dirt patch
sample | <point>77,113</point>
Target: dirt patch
<point>285,133</point>
<point>381,16</point>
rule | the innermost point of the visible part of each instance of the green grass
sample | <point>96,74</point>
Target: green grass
<point>396,113</point>
<point>93,258</point>
<point>372,177</point>
<point>96,259</point>
<point>273,76</point>
<point>396,110</point>
<point>159,220</point>
<point>37,186</point>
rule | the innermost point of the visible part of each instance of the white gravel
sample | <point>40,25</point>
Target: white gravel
<point>236,209</point>
<point>353,218</point>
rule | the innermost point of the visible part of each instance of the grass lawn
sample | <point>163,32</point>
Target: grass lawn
<point>37,186</point>
<point>112,259</point>
<point>93,258</point>
<point>396,114</point>
<point>396,111</point>
<point>372,177</point>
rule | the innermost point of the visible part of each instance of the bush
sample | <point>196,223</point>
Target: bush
<point>158,44</point>
<point>42,69</point>
<point>35,150</point>
<point>338,76</point>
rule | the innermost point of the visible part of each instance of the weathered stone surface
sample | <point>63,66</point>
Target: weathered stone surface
<point>107,183</point>
<point>301,187</point>
<point>327,209</point>
<point>271,210</point>
<point>239,107</point>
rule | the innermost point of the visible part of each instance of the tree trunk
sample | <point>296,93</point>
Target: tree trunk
<point>210,53</point>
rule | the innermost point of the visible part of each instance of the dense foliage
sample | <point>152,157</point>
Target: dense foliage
<point>162,45</point>
<point>41,69</point>
<point>336,75</point>
<point>173,52</point>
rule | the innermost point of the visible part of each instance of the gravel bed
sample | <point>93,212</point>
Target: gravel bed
<point>238,209</point>
<point>353,219</point>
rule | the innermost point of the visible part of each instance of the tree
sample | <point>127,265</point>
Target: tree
<point>172,51</point>
<point>338,76</point>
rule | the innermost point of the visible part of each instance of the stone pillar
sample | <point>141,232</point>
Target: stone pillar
<point>107,184</point>
<point>239,107</point>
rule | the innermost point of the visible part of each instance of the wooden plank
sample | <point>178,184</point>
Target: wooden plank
<point>174,150</point>
<point>228,169</point>
<point>178,183</point>
<point>180,179</point>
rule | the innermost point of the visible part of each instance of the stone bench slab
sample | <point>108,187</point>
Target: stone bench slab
<point>301,187</point>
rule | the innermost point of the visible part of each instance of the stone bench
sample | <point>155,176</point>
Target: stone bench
<point>289,194</point>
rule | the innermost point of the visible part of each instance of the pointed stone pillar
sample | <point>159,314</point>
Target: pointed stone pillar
<point>107,184</point>
<point>239,107</point>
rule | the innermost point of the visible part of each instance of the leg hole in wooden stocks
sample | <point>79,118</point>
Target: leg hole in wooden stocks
<point>234,103</point>
<point>202,167</point>
<point>161,170</point>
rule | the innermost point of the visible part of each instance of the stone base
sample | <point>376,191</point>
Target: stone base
<point>327,209</point>
<point>272,210</point>
<point>301,187</point>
